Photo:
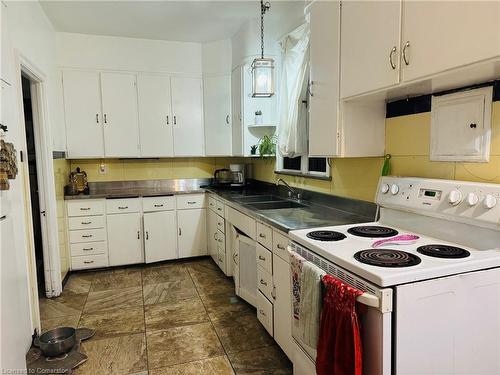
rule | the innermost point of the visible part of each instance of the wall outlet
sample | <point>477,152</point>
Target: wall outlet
<point>102,168</point>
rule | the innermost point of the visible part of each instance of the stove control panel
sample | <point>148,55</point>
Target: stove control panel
<point>462,201</point>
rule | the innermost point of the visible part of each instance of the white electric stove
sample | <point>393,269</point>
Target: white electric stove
<point>430,270</point>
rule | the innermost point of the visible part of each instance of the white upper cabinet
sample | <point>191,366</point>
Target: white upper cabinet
<point>236,111</point>
<point>83,115</point>
<point>119,107</point>
<point>324,78</point>
<point>370,46</point>
<point>217,109</point>
<point>187,109</point>
<point>442,35</point>
<point>155,115</point>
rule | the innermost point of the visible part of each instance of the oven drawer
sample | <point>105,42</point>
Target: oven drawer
<point>85,222</point>
<point>280,243</point>
<point>265,283</point>
<point>123,206</point>
<point>87,235</point>
<point>265,313</point>
<point>187,201</point>
<point>264,258</point>
<point>92,261</point>
<point>219,206</point>
<point>88,248</point>
<point>220,224</point>
<point>85,207</point>
<point>152,204</point>
<point>265,235</point>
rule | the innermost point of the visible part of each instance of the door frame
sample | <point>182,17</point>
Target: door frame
<point>46,185</point>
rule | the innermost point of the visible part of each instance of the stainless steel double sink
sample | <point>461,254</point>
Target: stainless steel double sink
<point>268,202</point>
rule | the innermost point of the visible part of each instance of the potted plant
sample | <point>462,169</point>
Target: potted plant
<point>267,145</point>
<point>253,150</point>
<point>258,118</point>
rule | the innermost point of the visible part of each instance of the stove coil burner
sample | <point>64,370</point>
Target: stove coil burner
<point>372,231</point>
<point>443,251</point>
<point>326,235</point>
<point>387,258</point>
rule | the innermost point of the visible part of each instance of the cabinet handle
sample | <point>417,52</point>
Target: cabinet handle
<point>138,234</point>
<point>191,202</point>
<point>180,232</point>
<point>105,118</point>
<point>158,205</point>
<point>219,209</point>
<point>122,207</point>
<point>391,54</point>
<point>273,293</point>
<point>175,120</point>
<point>168,122</point>
<point>86,235</point>
<point>147,235</point>
<point>405,58</point>
<point>97,117</point>
<point>220,240</point>
<point>261,258</point>
<point>86,222</point>
<point>84,208</point>
<point>262,235</point>
<point>88,249</point>
<point>309,88</point>
<point>227,119</point>
<point>215,236</point>
<point>261,312</point>
<point>263,282</point>
<point>88,261</point>
<point>280,247</point>
<point>234,258</point>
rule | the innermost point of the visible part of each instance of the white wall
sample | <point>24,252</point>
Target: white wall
<point>217,57</point>
<point>115,53</point>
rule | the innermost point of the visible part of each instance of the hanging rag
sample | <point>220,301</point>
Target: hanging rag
<point>310,303</point>
<point>339,343</point>
<point>296,262</point>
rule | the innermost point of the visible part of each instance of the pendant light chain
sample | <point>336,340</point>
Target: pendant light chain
<point>264,7</point>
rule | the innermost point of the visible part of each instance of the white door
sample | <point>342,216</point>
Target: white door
<point>155,115</point>
<point>282,305</point>
<point>217,109</point>
<point>236,112</point>
<point>212,234</point>
<point>370,46</point>
<point>160,242</point>
<point>192,232</point>
<point>119,107</point>
<point>82,112</point>
<point>124,239</point>
<point>187,107</point>
<point>447,34</point>
<point>324,78</point>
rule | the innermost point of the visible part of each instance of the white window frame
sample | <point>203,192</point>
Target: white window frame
<point>304,170</point>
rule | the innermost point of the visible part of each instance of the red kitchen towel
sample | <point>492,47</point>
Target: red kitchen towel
<point>339,343</point>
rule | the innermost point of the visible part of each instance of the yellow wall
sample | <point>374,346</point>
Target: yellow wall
<point>407,140</point>
<point>61,172</point>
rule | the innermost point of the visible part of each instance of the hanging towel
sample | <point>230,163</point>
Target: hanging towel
<point>339,344</point>
<point>296,262</point>
<point>310,303</point>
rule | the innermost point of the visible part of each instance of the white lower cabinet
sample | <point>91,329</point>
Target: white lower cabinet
<point>265,312</point>
<point>192,232</point>
<point>125,239</point>
<point>212,234</point>
<point>282,305</point>
<point>160,236</point>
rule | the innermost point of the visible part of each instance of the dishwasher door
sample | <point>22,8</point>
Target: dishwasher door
<point>244,266</point>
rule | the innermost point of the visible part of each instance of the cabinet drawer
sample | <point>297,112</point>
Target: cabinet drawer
<point>221,240</point>
<point>91,261</point>
<point>87,235</point>
<point>88,248</point>
<point>265,312</point>
<point>221,260</point>
<point>85,222</point>
<point>85,207</point>
<point>265,235</point>
<point>212,203</point>
<point>264,258</point>
<point>265,283</point>
<point>122,206</point>
<point>221,224</point>
<point>187,201</point>
<point>219,206</point>
<point>151,204</point>
<point>280,243</point>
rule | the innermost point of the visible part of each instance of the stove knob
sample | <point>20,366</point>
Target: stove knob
<point>384,188</point>
<point>394,189</point>
<point>489,201</point>
<point>455,197</point>
<point>472,199</point>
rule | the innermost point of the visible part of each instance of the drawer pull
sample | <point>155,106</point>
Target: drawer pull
<point>261,312</point>
<point>147,235</point>
<point>86,222</point>
<point>280,247</point>
<point>88,261</point>
<point>262,235</point>
<point>191,202</point>
<point>138,235</point>
<point>220,240</point>
<point>158,205</point>
<point>88,249</point>
<point>122,207</point>
<point>263,282</point>
<point>86,235</point>
<point>273,293</point>
<point>84,208</point>
<point>262,258</point>
<point>219,209</point>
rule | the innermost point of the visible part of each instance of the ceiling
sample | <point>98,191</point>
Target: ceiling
<point>187,21</point>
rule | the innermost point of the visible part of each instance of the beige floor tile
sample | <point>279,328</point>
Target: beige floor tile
<point>220,306</point>
<point>114,356</point>
<point>111,299</point>
<point>164,273</point>
<point>208,286</point>
<point>168,315</point>
<point>215,366</point>
<point>66,304</point>
<point>116,279</point>
<point>241,332</point>
<point>62,321</point>
<point>182,344</point>
<point>264,361</point>
<point>79,283</point>
<point>172,291</point>
<point>117,322</point>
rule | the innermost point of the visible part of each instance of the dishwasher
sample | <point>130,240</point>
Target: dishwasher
<point>245,277</point>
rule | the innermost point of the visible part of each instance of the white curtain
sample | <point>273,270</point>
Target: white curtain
<point>292,135</point>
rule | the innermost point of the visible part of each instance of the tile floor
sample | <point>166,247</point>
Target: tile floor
<point>172,318</point>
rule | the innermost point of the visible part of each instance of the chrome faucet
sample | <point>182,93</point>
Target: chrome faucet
<point>291,191</point>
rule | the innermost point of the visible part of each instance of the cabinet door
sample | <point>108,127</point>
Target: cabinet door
<point>370,46</point>
<point>212,234</point>
<point>282,305</point>
<point>124,239</point>
<point>187,107</point>
<point>236,112</point>
<point>82,112</point>
<point>447,34</point>
<point>119,107</point>
<point>160,242</point>
<point>324,77</point>
<point>217,109</point>
<point>155,115</point>
<point>192,232</point>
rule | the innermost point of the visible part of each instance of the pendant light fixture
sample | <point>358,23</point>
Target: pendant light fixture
<point>263,68</point>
